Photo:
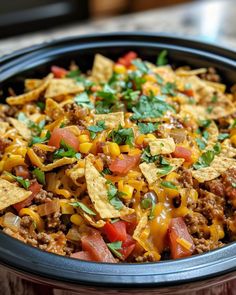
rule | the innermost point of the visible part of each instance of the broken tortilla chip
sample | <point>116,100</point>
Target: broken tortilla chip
<point>58,88</point>
<point>31,84</point>
<point>97,190</point>
<point>22,129</point>
<point>161,146</point>
<point>31,95</point>
<point>102,68</point>
<point>53,109</point>
<point>75,172</point>
<point>213,133</point>
<point>3,127</point>
<point>112,120</point>
<point>98,224</point>
<point>11,194</point>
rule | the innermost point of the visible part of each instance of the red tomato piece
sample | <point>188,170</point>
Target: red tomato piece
<point>22,171</point>
<point>115,231</point>
<point>178,229</point>
<point>94,244</point>
<point>127,247</point>
<point>182,152</point>
<point>58,72</point>
<point>188,92</point>
<point>124,165</point>
<point>83,255</point>
<point>35,188</point>
<point>60,134</point>
<point>126,60</point>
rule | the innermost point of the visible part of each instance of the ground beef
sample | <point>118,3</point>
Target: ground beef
<point>203,245</point>
<point>75,113</point>
<point>43,197</point>
<point>210,75</point>
<point>40,153</point>
<point>186,178</point>
<point>229,181</point>
<point>53,220</point>
<point>4,143</point>
<point>195,222</point>
<point>211,205</point>
<point>216,187</point>
<point>147,257</point>
<point>26,221</point>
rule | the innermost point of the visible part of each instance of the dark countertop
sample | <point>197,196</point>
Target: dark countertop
<point>213,21</point>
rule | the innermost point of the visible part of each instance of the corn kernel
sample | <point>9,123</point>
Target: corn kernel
<point>139,139</point>
<point>85,147</point>
<point>83,138</point>
<point>150,78</point>
<point>134,152</point>
<point>76,219</point>
<point>172,176</point>
<point>233,140</point>
<point>124,148</point>
<point>119,69</point>
<point>128,192</point>
<point>66,208</point>
<point>151,136</point>
<point>114,149</point>
<point>105,149</point>
<point>120,185</point>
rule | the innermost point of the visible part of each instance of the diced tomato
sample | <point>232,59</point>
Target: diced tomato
<point>94,244</point>
<point>178,229</point>
<point>188,92</point>
<point>58,72</point>
<point>127,58</point>
<point>124,165</point>
<point>182,152</point>
<point>35,188</point>
<point>115,231</point>
<point>83,255</point>
<point>127,247</point>
<point>22,171</point>
<point>60,134</point>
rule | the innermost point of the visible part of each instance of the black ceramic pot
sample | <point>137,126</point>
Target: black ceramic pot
<point>211,271</point>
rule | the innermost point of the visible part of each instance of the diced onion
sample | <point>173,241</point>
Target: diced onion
<point>73,234</point>
<point>12,221</point>
<point>48,208</point>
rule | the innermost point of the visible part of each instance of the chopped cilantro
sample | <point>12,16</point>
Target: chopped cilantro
<point>65,151</point>
<point>106,171</point>
<point>168,184</point>
<point>146,128</point>
<point>201,144</point>
<point>73,74</point>
<point>233,124</point>
<point>83,207</point>
<point>83,100</point>
<point>41,105</point>
<point>140,65</point>
<point>162,58</point>
<point>148,203</point>
<point>137,79</point>
<point>114,247</point>
<point>209,109</point>
<point>214,98</point>
<point>217,148</point>
<point>160,80</point>
<point>107,92</point>
<point>96,128</point>
<point>205,160</point>
<point>23,182</point>
<point>169,88</point>
<point>122,136</point>
<point>113,196</point>
<point>36,139</point>
<point>36,129</point>
<point>204,123</point>
<point>205,135</point>
<point>40,175</point>
<point>147,157</point>
<point>223,136</point>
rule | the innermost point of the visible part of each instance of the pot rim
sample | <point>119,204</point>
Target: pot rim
<point>31,260</point>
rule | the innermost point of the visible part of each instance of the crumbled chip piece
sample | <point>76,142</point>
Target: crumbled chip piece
<point>102,68</point>
<point>53,109</point>
<point>161,146</point>
<point>3,127</point>
<point>11,194</point>
<point>112,120</point>
<point>31,95</point>
<point>31,84</point>
<point>22,129</point>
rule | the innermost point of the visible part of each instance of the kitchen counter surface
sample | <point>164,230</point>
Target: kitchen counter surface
<point>212,21</point>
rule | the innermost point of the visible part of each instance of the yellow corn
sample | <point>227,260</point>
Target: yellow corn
<point>85,147</point>
<point>233,139</point>
<point>134,152</point>
<point>124,148</point>
<point>106,149</point>
<point>128,192</point>
<point>120,185</point>
<point>172,176</point>
<point>150,136</point>
<point>139,139</point>
<point>150,78</point>
<point>66,208</point>
<point>119,69</point>
<point>83,138</point>
<point>76,219</point>
<point>114,149</point>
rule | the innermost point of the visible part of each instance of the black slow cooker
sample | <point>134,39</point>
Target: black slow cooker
<point>208,273</point>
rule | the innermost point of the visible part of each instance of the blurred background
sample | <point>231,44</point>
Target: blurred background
<point>25,22</point>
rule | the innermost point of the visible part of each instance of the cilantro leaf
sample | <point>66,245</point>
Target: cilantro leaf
<point>168,184</point>
<point>107,92</point>
<point>36,129</point>
<point>96,128</point>
<point>147,157</point>
<point>113,196</point>
<point>205,135</point>
<point>205,160</point>
<point>148,203</point>
<point>122,136</point>
<point>214,98</point>
<point>40,175</point>
<point>204,123</point>
<point>23,182</point>
<point>140,65</point>
<point>36,139</point>
<point>223,136</point>
<point>146,128</point>
<point>169,88</point>
<point>113,247</point>
<point>83,207</point>
<point>83,100</point>
<point>66,151</point>
<point>162,58</point>
<point>73,74</point>
<point>217,148</point>
<point>201,144</point>
<point>41,105</point>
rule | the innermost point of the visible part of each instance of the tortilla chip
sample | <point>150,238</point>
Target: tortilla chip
<point>53,109</point>
<point>98,224</point>
<point>227,150</point>
<point>97,190</point>
<point>161,146</point>
<point>11,194</point>
<point>218,166</point>
<point>22,129</point>
<point>166,72</point>
<point>75,172</point>
<point>218,86</point>
<point>102,68</point>
<point>31,95</point>
<point>3,127</point>
<point>58,88</point>
<point>183,72</point>
<point>31,84</point>
<point>197,112</point>
<point>152,173</point>
<point>213,135</point>
<point>112,120</point>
